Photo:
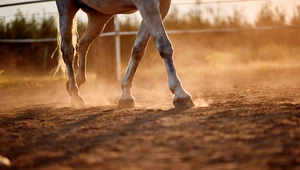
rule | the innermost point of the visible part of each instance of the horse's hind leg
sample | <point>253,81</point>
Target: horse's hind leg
<point>67,11</point>
<point>151,16</point>
<point>127,100</point>
<point>96,23</point>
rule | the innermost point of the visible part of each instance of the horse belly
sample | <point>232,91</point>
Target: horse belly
<point>111,6</point>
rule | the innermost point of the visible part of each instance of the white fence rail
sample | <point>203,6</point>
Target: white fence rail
<point>117,33</point>
<point>124,33</point>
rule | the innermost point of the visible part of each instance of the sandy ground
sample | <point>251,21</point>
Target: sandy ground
<point>245,119</point>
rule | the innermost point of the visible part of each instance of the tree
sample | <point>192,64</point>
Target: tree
<point>296,17</point>
<point>268,17</point>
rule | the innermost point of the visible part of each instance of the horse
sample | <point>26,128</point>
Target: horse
<point>99,12</point>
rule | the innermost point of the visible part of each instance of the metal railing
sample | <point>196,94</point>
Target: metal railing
<point>117,33</point>
<point>124,33</point>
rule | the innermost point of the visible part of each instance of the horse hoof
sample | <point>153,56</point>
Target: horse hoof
<point>127,103</point>
<point>77,102</point>
<point>184,103</point>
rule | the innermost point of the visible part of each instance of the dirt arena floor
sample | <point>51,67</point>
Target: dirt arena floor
<point>245,119</point>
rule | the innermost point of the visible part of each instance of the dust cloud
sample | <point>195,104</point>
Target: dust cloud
<point>206,64</point>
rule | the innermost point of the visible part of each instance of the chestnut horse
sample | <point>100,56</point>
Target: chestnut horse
<point>99,12</point>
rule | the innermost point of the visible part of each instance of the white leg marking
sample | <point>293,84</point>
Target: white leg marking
<point>174,82</point>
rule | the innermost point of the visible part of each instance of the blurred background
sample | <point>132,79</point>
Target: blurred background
<point>265,31</point>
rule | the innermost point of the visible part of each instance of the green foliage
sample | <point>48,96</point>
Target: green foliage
<point>22,28</point>
<point>237,20</point>
<point>47,27</point>
<point>26,56</point>
<point>296,17</point>
<point>129,24</point>
<point>269,17</point>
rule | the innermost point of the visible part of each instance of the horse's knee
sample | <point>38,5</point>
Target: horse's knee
<point>165,49</point>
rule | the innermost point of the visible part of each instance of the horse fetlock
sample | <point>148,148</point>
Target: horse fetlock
<point>180,93</point>
<point>68,88</point>
<point>126,85</point>
<point>174,88</point>
<point>80,80</point>
<point>175,85</point>
<point>77,101</point>
<point>72,89</point>
<point>126,100</point>
<point>182,99</point>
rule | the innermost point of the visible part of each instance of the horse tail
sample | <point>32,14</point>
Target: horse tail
<point>60,62</point>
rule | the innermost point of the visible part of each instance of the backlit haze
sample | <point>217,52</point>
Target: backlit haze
<point>249,9</point>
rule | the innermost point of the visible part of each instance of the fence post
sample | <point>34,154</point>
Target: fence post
<point>45,59</point>
<point>118,48</point>
<point>102,56</point>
